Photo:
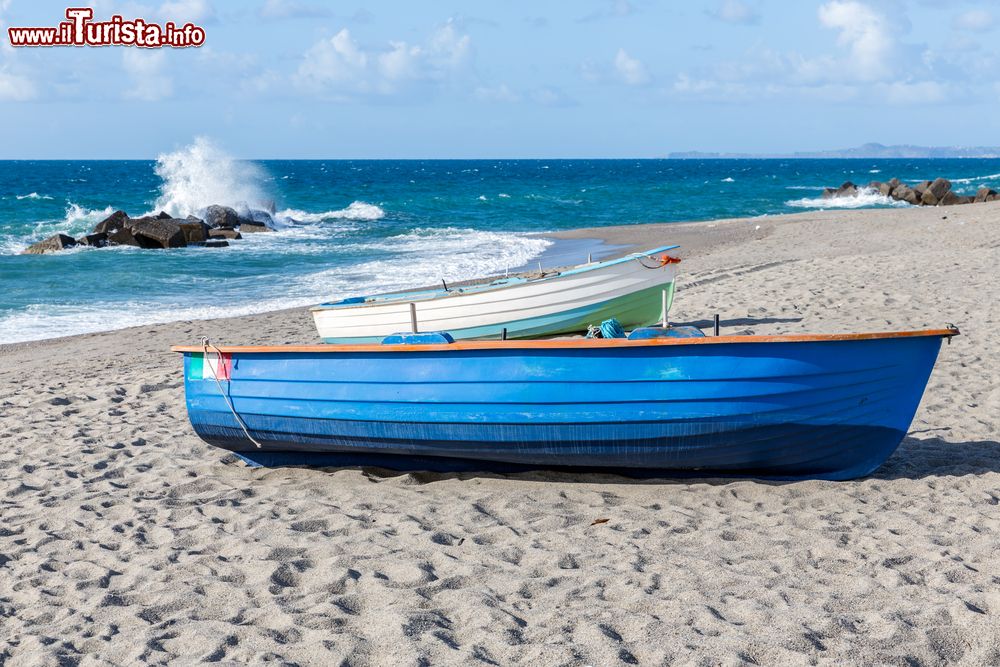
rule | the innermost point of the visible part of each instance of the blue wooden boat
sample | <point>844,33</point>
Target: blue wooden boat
<point>818,406</point>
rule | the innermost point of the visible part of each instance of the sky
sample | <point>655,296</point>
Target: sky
<point>475,79</point>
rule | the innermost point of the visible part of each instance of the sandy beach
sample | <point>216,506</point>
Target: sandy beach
<point>126,540</point>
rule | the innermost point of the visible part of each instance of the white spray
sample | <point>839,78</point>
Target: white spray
<point>202,174</point>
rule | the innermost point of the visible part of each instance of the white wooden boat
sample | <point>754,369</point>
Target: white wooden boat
<point>635,289</point>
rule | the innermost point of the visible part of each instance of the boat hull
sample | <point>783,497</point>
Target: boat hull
<point>629,289</point>
<point>832,409</point>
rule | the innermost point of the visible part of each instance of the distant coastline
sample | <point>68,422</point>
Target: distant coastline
<point>866,151</point>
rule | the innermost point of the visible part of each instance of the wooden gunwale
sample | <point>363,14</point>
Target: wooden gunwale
<point>577,343</point>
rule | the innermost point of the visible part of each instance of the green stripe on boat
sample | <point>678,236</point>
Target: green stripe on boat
<point>197,366</point>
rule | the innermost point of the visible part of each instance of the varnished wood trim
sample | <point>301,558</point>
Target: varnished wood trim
<point>575,343</point>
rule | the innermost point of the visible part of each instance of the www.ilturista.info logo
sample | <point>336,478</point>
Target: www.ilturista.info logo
<point>79,30</point>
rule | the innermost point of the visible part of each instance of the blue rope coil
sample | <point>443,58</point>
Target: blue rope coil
<point>609,329</point>
<point>612,329</point>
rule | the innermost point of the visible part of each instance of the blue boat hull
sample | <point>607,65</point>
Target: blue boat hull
<point>824,409</point>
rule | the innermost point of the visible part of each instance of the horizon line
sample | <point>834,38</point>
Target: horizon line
<point>706,158</point>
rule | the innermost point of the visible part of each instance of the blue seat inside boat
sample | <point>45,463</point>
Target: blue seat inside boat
<point>645,333</point>
<point>348,301</point>
<point>410,338</point>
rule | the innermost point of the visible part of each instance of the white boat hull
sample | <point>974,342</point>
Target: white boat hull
<point>629,289</point>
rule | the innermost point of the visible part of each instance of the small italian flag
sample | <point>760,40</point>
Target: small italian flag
<point>211,366</point>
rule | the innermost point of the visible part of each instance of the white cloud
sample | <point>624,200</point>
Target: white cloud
<point>921,92</point>
<point>332,62</point>
<point>339,66</point>
<point>263,83</point>
<point>870,66</point>
<point>974,20</point>
<point>499,93</point>
<point>16,88</point>
<point>630,70</point>
<point>866,35</point>
<point>149,82</point>
<point>15,84</point>
<point>741,91</point>
<point>552,96</point>
<point>400,62</point>
<point>688,86</point>
<point>622,68</point>
<point>448,45</point>
<point>4,43</point>
<point>736,11</point>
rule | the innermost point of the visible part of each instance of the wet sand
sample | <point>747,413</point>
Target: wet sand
<point>126,540</point>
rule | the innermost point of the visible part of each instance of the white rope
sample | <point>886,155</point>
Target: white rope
<point>239,420</point>
<point>646,266</point>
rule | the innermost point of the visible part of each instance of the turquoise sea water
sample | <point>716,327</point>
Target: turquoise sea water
<point>356,227</point>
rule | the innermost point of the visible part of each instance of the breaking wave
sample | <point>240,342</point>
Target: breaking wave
<point>33,195</point>
<point>976,179</point>
<point>426,255</point>
<point>866,198</point>
<point>357,210</point>
<point>78,220</point>
<point>77,215</point>
<point>202,174</point>
<point>423,256</point>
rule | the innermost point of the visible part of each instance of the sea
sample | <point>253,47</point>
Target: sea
<point>355,227</point>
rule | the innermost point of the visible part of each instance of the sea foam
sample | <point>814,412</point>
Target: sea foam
<point>357,210</point>
<point>423,256</point>
<point>977,179</point>
<point>77,215</point>
<point>77,220</point>
<point>866,197</point>
<point>426,255</point>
